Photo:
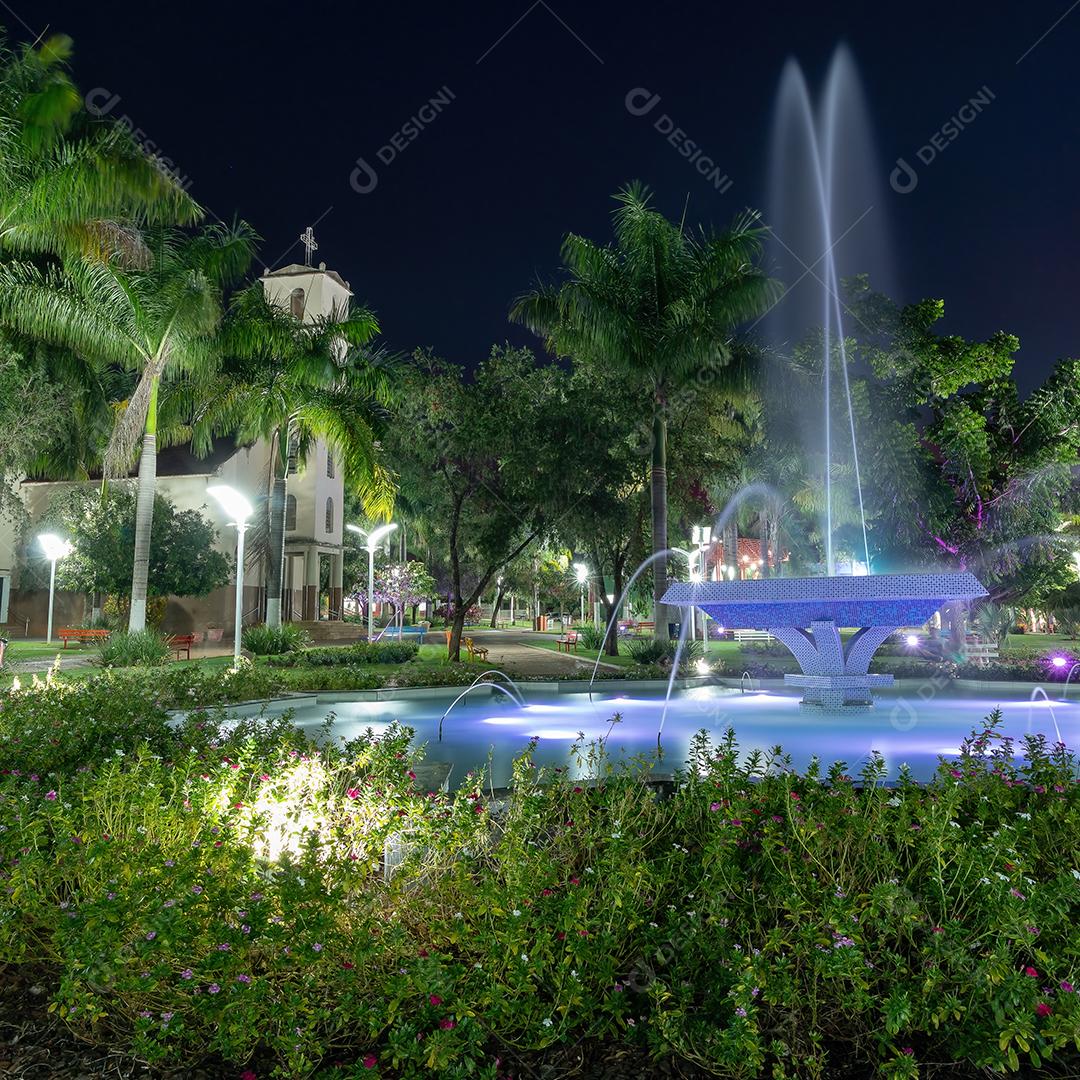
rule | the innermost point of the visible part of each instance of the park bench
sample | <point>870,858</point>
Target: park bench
<point>181,643</point>
<point>568,641</point>
<point>476,652</point>
<point>752,635</point>
<point>980,652</point>
<point>75,633</point>
<point>645,627</point>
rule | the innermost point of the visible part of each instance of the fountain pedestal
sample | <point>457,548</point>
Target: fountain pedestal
<point>806,614</point>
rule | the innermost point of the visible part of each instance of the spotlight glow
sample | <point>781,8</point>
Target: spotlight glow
<point>1058,661</point>
<point>912,641</point>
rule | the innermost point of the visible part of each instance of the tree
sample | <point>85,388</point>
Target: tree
<point>660,306</point>
<point>183,560</point>
<point>159,322</point>
<point>403,584</point>
<point>477,459</point>
<point>71,185</point>
<point>977,477</point>
<point>293,383</point>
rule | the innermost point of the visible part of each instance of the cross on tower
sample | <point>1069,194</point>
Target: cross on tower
<point>307,238</point>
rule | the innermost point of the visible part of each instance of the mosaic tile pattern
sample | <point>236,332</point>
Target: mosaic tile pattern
<point>806,615</point>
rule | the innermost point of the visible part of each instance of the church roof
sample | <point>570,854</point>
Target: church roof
<point>299,270</point>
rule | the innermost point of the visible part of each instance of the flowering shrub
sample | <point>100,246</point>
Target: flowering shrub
<point>245,893</point>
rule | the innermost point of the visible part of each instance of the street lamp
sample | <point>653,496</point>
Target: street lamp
<point>55,548</point>
<point>239,509</point>
<point>372,540</point>
<point>581,571</point>
<point>701,537</point>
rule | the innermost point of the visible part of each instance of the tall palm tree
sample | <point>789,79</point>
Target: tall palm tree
<point>660,304</point>
<point>71,184</point>
<point>294,383</point>
<point>158,322</point>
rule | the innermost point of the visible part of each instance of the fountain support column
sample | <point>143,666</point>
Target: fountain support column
<point>834,676</point>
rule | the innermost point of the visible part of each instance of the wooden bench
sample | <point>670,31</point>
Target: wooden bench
<point>752,635</point>
<point>476,652</point>
<point>181,643</point>
<point>75,633</point>
<point>644,627</point>
<point>568,641</point>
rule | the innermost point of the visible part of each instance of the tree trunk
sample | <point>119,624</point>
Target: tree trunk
<point>730,541</point>
<point>497,608</point>
<point>456,628</point>
<point>659,522</point>
<point>764,529</point>
<point>774,540</point>
<point>611,639</point>
<point>144,516</point>
<point>275,563</point>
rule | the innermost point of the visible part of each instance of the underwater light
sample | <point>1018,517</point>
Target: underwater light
<point>703,667</point>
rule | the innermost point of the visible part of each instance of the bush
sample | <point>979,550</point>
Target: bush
<point>592,637</point>
<point>266,640</point>
<point>363,652</point>
<point>248,894</point>
<point>647,651</point>
<point>139,648</point>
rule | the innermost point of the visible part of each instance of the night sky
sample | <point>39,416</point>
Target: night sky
<point>267,108</point>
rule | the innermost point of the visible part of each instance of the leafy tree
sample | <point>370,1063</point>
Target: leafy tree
<point>403,584</point>
<point>71,185</point>
<point>294,383</point>
<point>976,476</point>
<point>158,321</point>
<point>478,458</point>
<point>183,560</point>
<point>660,306</point>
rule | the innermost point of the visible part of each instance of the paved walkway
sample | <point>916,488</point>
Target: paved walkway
<point>512,651</point>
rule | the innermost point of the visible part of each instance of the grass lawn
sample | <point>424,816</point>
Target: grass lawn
<point>1033,644</point>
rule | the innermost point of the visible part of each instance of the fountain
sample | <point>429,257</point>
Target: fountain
<point>806,614</point>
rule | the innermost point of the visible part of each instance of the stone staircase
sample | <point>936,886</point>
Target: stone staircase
<point>333,633</point>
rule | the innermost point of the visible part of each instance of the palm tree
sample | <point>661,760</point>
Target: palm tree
<point>70,184</point>
<point>660,304</point>
<point>293,383</point>
<point>159,322</point>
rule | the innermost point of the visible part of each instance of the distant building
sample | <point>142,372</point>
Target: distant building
<point>314,526</point>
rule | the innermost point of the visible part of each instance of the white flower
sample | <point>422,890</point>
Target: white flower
<point>1026,817</point>
<point>524,958</point>
<point>515,913</point>
<point>1076,873</point>
<point>984,881</point>
<point>547,1021</point>
<point>459,915</point>
<point>573,973</point>
<point>894,801</point>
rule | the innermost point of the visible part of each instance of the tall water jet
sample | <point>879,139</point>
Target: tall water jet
<point>818,156</point>
<point>826,223</point>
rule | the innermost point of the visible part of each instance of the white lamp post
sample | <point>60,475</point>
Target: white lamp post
<point>240,510</point>
<point>581,571</point>
<point>702,538</point>
<point>372,540</point>
<point>55,549</point>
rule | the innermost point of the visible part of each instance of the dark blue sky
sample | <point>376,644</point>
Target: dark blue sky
<point>267,108</point>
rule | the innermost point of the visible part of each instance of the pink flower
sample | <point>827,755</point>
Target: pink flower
<point>248,1074</point>
<point>435,999</point>
<point>1042,1009</point>
<point>714,807</point>
<point>51,796</point>
<point>1067,987</point>
<point>370,1061</point>
<point>1031,973</point>
<point>353,793</point>
<point>446,1023</point>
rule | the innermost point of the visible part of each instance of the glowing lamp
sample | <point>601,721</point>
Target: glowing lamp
<point>912,641</point>
<point>1058,661</point>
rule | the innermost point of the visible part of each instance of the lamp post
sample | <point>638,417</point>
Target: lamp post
<point>701,537</point>
<point>581,571</point>
<point>372,540</point>
<point>55,549</point>
<point>239,509</point>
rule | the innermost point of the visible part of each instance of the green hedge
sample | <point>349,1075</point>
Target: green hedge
<point>363,652</point>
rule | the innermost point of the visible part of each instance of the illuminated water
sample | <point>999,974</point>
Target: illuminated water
<point>903,727</point>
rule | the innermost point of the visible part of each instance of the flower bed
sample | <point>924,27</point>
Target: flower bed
<point>192,892</point>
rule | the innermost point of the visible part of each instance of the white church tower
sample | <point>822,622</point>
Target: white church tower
<point>315,500</point>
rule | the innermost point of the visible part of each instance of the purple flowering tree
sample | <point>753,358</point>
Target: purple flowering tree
<point>403,585</point>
